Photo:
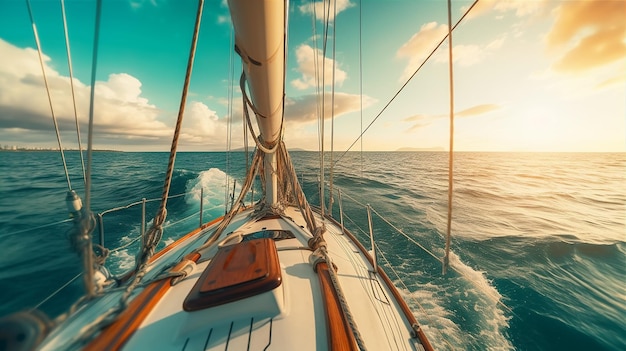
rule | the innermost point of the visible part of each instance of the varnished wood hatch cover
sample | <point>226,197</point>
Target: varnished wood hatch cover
<point>236,272</point>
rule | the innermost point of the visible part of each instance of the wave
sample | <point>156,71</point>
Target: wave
<point>462,309</point>
<point>211,185</point>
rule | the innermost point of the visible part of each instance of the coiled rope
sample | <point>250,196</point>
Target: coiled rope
<point>249,104</point>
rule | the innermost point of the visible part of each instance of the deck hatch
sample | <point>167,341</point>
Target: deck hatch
<point>277,235</point>
<point>236,272</point>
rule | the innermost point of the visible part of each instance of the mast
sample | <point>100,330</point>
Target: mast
<point>260,31</point>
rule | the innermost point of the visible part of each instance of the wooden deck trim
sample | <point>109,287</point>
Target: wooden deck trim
<point>116,334</point>
<point>340,336</point>
<point>396,294</point>
<point>183,238</point>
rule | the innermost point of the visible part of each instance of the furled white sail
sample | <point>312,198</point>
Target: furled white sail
<point>260,41</point>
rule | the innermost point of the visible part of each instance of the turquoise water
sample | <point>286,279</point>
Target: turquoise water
<point>538,248</point>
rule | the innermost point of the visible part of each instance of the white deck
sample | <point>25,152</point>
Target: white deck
<point>290,317</point>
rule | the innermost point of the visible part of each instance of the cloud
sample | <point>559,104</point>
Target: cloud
<point>202,126</point>
<point>420,121</point>
<point>121,113</point>
<point>423,120</point>
<point>477,110</point>
<point>419,46</point>
<point>307,57</point>
<point>303,109</point>
<point>417,117</point>
<point>464,55</point>
<point>621,80</point>
<point>593,34</point>
<point>521,7</point>
<point>319,8</point>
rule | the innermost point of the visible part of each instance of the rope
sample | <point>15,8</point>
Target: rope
<point>405,235</point>
<point>332,104</point>
<point>323,107</point>
<point>406,83</point>
<point>229,125</point>
<point>156,231</point>
<point>94,65</point>
<point>45,81</point>
<point>342,300</point>
<point>154,234</point>
<point>360,83</point>
<point>39,227</point>
<point>69,64</point>
<point>56,291</point>
<point>446,257</point>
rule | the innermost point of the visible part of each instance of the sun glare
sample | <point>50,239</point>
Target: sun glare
<point>537,129</point>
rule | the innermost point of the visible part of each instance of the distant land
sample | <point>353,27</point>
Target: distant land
<point>409,149</point>
<point>18,149</point>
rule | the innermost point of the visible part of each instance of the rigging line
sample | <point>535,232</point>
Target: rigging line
<point>446,257</point>
<point>416,301</point>
<point>245,133</point>
<point>407,81</point>
<point>248,104</point>
<point>360,83</point>
<point>229,124</point>
<point>156,231</point>
<point>323,116</point>
<point>69,65</point>
<point>332,113</point>
<point>56,292</point>
<point>405,235</point>
<point>393,226</point>
<point>315,65</point>
<point>181,110</point>
<point>94,63</point>
<point>39,227</point>
<point>319,105</point>
<point>45,80</point>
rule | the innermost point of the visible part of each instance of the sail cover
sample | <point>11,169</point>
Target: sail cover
<point>260,41</point>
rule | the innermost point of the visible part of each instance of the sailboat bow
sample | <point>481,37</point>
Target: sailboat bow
<point>276,275</point>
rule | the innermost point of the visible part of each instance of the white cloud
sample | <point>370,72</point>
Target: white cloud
<point>202,125</point>
<point>521,7</point>
<point>307,57</point>
<point>120,110</point>
<point>303,109</point>
<point>421,44</point>
<point>417,48</point>
<point>319,8</point>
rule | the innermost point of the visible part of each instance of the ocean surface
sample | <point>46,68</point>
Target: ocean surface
<point>538,247</point>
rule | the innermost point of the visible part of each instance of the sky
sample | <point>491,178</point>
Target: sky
<point>534,75</point>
